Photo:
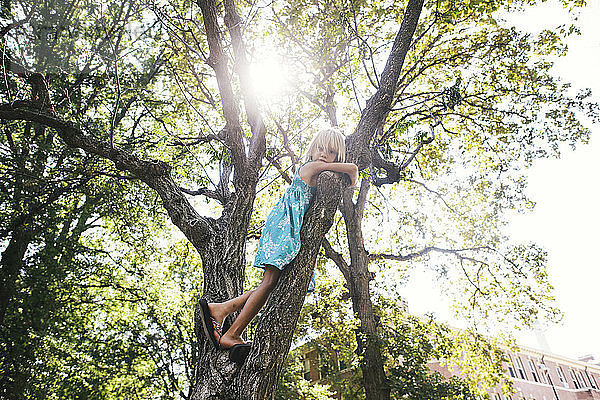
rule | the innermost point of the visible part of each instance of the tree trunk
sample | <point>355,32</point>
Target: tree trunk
<point>372,364</point>
<point>217,377</point>
<point>12,260</point>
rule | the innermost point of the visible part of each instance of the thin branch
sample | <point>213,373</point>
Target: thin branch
<point>213,194</point>
<point>286,141</point>
<point>362,41</point>
<point>337,258</point>
<point>17,24</point>
<point>281,171</point>
<point>28,216</point>
<point>429,249</point>
<point>439,195</point>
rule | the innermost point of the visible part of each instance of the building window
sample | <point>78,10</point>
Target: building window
<point>580,379</point>
<point>561,376</point>
<point>574,379</point>
<point>593,381</point>
<point>511,367</point>
<point>533,371</point>
<point>544,376</point>
<point>520,368</point>
<point>306,373</point>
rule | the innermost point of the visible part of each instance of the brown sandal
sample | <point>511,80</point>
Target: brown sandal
<point>209,324</point>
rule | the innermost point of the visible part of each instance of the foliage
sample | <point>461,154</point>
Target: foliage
<point>411,346</point>
<point>293,386</point>
<point>88,313</point>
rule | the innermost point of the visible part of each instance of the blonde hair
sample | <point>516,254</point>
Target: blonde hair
<point>329,138</point>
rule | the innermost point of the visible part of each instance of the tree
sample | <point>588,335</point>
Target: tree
<point>221,242</point>
<point>420,122</point>
<point>66,303</point>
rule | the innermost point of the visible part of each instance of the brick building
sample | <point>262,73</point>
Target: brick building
<point>536,375</point>
<point>542,375</point>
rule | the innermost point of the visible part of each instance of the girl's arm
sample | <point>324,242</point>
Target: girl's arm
<point>311,170</point>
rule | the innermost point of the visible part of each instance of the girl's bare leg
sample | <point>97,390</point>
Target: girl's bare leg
<point>254,302</point>
<point>219,311</point>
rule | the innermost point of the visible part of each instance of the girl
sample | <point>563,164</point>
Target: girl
<point>279,242</point>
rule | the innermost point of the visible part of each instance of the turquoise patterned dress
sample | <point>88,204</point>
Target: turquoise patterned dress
<point>280,239</point>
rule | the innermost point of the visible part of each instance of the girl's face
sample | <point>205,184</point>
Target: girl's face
<point>324,155</point>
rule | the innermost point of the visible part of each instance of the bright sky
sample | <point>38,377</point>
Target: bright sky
<point>566,219</point>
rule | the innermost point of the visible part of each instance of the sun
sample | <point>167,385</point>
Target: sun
<point>269,77</point>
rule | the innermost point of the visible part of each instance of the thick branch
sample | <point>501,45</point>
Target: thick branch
<point>219,63</point>
<point>276,325</point>
<point>258,144</point>
<point>378,106</point>
<point>155,174</point>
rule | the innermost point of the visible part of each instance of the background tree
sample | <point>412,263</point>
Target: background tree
<point>79,317</point>
<point>407,343</point>
<point>447,106</point>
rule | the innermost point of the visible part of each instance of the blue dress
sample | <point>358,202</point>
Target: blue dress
<point>280,239</point>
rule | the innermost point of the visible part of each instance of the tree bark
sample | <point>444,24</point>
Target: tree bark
<point>12,261</point>
<point>372,363</point>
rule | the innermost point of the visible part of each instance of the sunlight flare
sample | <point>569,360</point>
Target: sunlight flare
<point>269,77</point>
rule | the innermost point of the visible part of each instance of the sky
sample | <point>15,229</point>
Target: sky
<point>567,215</point>
<point>566,218</point>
